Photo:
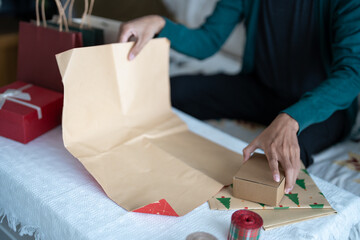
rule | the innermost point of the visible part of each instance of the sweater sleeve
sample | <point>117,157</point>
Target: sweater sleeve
<point>206,40</point>
<point>343,83</point>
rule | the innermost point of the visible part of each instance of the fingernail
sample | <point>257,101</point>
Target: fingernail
<point>288,190</point>
<point>131,56</point>
<point>277,178</point>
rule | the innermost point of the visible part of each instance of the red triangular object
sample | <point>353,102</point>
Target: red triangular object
<point>161,207</point>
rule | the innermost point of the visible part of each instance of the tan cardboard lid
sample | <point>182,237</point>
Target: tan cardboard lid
<point>257,169</point>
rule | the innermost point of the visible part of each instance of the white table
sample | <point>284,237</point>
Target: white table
<point>50,193</point>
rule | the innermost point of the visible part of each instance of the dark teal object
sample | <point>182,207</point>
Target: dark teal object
<point>91,36</point>
<point>340,46</point>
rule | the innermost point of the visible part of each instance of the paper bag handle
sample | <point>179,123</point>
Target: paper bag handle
<point>62,17</point>
<point>43,15</point>
<point>90,12</point>
<point>83,17</point>
<point>37,3</point>
<point>70,4</point>
<point>87,11</point>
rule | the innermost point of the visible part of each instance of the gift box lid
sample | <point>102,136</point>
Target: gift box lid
<point>257,170</point>
<point>39,97</point>
<point>254,182</point>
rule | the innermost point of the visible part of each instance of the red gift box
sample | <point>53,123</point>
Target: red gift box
<point>28,111</point>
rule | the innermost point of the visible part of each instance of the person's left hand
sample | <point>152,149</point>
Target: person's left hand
<point>280,144</point>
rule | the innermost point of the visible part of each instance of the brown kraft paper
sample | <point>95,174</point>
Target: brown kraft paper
<point>117,120</point>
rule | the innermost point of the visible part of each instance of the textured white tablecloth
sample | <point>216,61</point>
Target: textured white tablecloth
<point>49,192</point>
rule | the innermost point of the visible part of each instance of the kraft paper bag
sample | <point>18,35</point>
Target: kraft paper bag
<point>117,121</point>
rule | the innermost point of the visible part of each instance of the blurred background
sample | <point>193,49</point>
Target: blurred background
<point>13,11</point>
<point>189,12</point>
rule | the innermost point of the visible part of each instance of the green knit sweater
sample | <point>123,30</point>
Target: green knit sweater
<point>340,46</point>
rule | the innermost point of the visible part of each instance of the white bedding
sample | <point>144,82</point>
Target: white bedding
<point>326,167</point>
<point>49,192</point>
<point>228,60</point>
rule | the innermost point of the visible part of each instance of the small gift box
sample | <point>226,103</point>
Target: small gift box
<point>254,182</point>
<point>28,111</point>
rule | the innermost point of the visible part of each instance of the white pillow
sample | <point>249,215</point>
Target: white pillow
<point>193,13</point>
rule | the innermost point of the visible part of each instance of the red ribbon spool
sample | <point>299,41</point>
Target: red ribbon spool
<point>245,225</point>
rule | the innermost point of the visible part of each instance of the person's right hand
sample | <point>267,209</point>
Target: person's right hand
<point>143,30</point>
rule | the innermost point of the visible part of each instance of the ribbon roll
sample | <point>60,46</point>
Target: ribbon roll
<point>201,236</point>
<point>17,96</point>
<point>245,225</point>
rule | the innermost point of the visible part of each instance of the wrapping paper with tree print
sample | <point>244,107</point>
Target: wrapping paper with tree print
<point>304,195</point>
<point>353,163</point>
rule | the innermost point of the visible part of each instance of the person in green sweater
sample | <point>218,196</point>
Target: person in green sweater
<point>300,74</point>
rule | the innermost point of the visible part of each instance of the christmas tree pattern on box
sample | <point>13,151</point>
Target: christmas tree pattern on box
<point>304,195</point>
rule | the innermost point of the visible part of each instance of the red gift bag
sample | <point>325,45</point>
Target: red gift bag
<point>38,46</point>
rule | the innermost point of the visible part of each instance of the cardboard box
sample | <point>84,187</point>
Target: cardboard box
<point>254,182</point>
<point>28,111</point>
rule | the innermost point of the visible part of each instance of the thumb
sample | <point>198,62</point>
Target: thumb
<point>140,43</point>
<point>249,150</point>
<point>125,36</point>
<point>125,33</point>
<point>135,50</point>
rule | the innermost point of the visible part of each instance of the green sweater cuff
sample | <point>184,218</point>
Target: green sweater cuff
<point>302,113</point>
<point>168,30</point>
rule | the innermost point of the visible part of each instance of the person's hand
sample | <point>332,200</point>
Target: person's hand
<point>143,30</point>
<point>280,144</point>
